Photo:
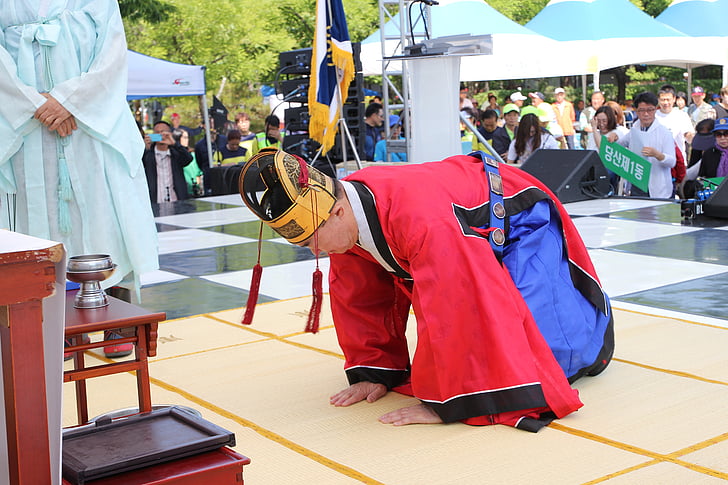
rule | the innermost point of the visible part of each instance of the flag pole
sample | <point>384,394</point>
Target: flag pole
<point>341,68</point>
<point>343,127</point>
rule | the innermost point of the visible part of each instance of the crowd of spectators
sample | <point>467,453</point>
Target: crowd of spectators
<point>659,127</point>
<point>552,122</point>
<point>176,159</point>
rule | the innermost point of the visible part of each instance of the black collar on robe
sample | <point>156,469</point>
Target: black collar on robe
<point>371,236</point>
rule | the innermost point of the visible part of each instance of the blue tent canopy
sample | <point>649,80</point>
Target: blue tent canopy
<point>598,19</point>
<point>699,18</point>
<point>620,34</point>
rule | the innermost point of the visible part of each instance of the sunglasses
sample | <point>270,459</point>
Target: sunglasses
<point>720,134</point>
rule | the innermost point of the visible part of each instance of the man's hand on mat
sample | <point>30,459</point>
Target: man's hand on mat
<point>417,414</point>
<point>358,392</point>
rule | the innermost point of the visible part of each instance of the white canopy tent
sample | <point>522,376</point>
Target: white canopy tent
<point>518,52</point>
<point>704,19</point>
<point>150,77</point>
<point>619,33</point>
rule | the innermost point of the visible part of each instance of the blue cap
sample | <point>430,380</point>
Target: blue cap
<point>393,120</point>
<point>721,124</point>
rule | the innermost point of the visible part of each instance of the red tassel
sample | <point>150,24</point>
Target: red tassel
<point>253,295</point>
<point>314,315</point>
<point>303,172</point>
<point>254,283</point>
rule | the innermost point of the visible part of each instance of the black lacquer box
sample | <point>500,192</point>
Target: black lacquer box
<point>137,441</point>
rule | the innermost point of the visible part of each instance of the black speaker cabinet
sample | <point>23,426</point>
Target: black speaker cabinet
<point>717,203</point>
<point>295,62</point>
<point>572,175</point>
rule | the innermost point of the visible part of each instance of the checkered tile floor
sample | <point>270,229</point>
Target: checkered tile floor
<point>645,255</point>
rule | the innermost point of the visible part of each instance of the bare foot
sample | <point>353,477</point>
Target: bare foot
<point>417,414</point>
<point>358,392</point>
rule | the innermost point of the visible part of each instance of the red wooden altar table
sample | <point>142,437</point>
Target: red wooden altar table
<point>27,276</point>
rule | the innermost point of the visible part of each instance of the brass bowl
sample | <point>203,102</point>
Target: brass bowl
<point>89,262</point>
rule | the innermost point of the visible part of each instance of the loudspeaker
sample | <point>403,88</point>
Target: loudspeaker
<point>294,90</point>
<point>301,145</point>
<point>296,119</point>
<point>572,175</point>
<point>295,62</point>
<point>717,203</point>
<point>299,61</point>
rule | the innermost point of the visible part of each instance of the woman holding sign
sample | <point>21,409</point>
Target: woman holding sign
<point>603,123</point>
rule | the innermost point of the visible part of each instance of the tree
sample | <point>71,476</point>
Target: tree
<point>652,7</point>
<point>215,33</point>
<point>520,11</point>
<point>237,40</point>
<point>152,11</point>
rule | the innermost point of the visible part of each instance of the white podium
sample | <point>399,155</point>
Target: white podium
<point>434,94</point>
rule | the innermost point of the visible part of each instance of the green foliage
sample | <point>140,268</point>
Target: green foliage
<point>520,11</point>
<point>241,48</point>
<point>652,7</point>
<point>152,11</point>
<point>641,76</point>
<point>362,18</point>
<point>237,40</point>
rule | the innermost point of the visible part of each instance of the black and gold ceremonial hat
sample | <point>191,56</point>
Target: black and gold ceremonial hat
<point>286,193</point>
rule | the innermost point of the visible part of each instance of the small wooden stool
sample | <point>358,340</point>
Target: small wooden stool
<point>134,324</point>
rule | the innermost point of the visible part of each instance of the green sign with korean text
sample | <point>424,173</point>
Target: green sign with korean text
<point>625,163</point>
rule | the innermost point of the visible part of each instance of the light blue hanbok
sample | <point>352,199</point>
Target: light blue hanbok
<point>87,190</point>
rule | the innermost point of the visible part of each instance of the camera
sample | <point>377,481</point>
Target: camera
<point>155,137</point>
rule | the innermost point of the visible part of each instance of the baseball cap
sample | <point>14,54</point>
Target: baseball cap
<point>393,120</point>
<point>540,114</point>
<point>510,107</point>
<point>698,90</point>
<point>537,94</point>
<point>721,124</point>
<point>559,90</point>
<point>517,96</point>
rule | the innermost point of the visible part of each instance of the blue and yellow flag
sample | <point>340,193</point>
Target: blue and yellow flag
<point>332,70</point>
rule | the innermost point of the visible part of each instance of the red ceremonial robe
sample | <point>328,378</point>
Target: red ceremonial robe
<point>480,356</point>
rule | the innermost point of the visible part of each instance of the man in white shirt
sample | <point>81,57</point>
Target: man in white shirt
<point>164,166</point>
<point>585,117</point>
<point>677,121</point>
<point>652,141</point>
